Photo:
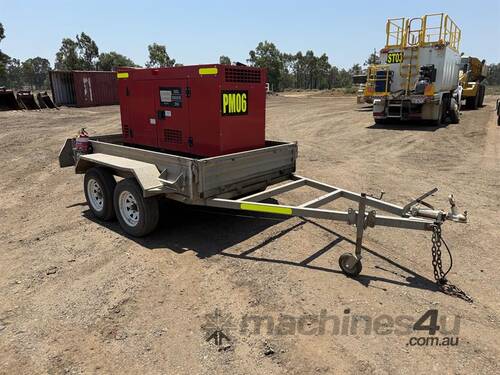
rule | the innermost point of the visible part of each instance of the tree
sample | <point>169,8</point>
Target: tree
<point>14,74</point>
<point>67,58</point>
<point>224,60</point>
<point>356,69</point>
<point>493,77</point>
<point>373,58</point>
<point>35,72</point>
<point>88,51</point>
<point>158,57</point>
<point>81,54</point>
<point>111,60</point>
<point>266,55</point>
<point>4,59</point>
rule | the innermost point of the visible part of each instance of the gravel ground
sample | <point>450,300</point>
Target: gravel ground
<point>78,296</point>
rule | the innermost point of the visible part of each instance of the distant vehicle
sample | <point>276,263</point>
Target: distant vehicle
<point>472,73</point>
<point>418,76</point>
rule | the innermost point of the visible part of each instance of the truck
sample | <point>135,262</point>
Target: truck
<point>472,74</point>
<point>126,178</point>
<point>418,75</point>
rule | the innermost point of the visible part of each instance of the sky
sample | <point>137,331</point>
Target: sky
<point>197,32</point>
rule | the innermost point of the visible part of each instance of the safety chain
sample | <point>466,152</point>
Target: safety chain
<point>437,264</point>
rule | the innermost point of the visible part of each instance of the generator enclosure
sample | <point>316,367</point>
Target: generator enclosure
<point>202,110</point>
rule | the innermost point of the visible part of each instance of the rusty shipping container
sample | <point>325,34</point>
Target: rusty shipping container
<point>84,88</point>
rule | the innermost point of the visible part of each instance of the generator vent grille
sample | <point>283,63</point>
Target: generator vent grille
<point>242,75</point>
<point>173,136</point>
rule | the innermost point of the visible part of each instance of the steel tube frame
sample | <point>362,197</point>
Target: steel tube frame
<point>311,208</point>
<point>361,218</point>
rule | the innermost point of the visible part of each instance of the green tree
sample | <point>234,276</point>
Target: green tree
<point>266,55</point>
<point>341,77</point>
<point>224,60</point>
<point>158,57</point>
<point>35,72</point>
<point>14,74</point>
<point>355,69</point>
<point>111,60</point>
<point>79,54</point>
<point>4,59</point>
<point>493,77</point>
<point>88,51</point>
<point>67,57</point>
<point>373,58</point>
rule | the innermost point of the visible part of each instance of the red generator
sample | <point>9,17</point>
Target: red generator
<point>203,110</point>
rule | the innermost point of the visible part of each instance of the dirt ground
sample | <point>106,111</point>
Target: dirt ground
<point>78,296</point>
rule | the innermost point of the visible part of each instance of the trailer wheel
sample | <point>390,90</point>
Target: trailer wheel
<point>138,216</point>
<point>350,265</point>
<point>99,185</point>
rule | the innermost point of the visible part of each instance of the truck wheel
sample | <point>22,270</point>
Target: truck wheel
<point>474,102</point>
<point>482,92</point>
<point>99,185</point>
<point>441,115</point>
<point>138,216</point>
<point>454,113</point>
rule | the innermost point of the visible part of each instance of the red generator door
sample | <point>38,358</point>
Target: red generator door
<point>172,114</point>
<point>139,114</point>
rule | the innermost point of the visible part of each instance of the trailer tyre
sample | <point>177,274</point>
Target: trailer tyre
<point>99,185</point>
<point>350,265</point>
<point>138,216</point>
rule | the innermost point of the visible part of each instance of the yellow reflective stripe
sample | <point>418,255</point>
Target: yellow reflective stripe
<point>207,71</point>
<point>263,208</point>
<point>122,75</point>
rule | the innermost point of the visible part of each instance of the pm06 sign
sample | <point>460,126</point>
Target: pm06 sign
<point>234,103</point>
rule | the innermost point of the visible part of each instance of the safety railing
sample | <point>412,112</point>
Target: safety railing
<point>378,80</point>
<point>395,32</point>
<point>431,29</point>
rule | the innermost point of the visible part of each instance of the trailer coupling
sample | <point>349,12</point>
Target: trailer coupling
<point>416,215</point>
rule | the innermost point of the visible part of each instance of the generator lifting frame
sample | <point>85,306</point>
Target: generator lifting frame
<point>416,215</point>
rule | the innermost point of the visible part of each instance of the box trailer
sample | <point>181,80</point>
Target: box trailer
<point>127,180</point>
<point>418,77</point>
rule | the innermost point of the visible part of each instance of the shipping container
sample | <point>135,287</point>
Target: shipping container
<point>84,88</point>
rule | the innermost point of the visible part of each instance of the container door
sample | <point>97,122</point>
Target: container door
<point>172,115</point>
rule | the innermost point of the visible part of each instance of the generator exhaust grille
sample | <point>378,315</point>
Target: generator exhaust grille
<point>242,75</point>
<point>173,136</point>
